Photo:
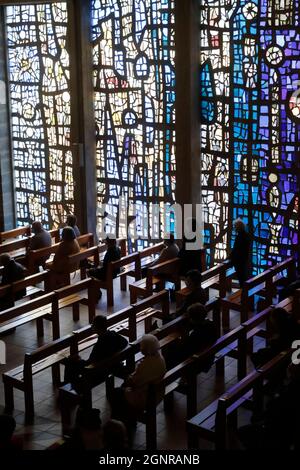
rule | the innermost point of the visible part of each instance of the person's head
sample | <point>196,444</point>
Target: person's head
<point>68,234</point>
<point>71,220</point>
<point>110,242</point>
<point>279,321</point>
<point>88,419</point>
<point>7,428</point>
<point>193,279</point>
<point>115,435</point>
<point>99,324</point>
<point>5,259</point>
<point>37,227</point>
<point>169,239</point>
<point>196,313</point>
<point>239,225</point>
<point>150,345</point>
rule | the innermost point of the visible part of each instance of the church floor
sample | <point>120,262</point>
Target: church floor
<point>46,429</point>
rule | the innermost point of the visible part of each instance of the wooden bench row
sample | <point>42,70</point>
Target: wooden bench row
<point>125,322</point>
<point>263,285</point>
<point>237,343</point>
<point>214,422</point>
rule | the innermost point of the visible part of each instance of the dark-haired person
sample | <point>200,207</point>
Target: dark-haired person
<point>72,222</point>
<point>115,435</point>
<point>199,332</point>
<point>202,331</point>
<point>113,253</point>
<point>240,254</point>
<point>108,343</point>
<point>12,272</point>
<point>284,329</point>
<point>87,433</point>
<point>168,253</point>
<point>9,442</point>
<point>196,293</point>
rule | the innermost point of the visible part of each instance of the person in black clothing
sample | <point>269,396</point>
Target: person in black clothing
<point>241,251</point>
<point>12,272</point>
<point>278,427</point>
<point>196,295</point>
<point>9,442</point>
<point>113,253</point>
<point>284,330</point>
<point>197,334</point>
<point>190,259</point>
<point>203,333</point>
<point>108,344</point>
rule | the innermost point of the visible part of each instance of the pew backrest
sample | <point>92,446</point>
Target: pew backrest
<point>17,232</point>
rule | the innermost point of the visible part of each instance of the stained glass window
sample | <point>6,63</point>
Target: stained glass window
<point>39,86</point>
<point>250,68</point>
<point>134,84</point>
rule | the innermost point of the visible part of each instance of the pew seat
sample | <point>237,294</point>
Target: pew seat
<point>21,377</point>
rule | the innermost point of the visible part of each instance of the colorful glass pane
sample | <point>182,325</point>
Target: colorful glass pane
<point>259,89</point>
<point>39,87</point>
<point>134,94</point>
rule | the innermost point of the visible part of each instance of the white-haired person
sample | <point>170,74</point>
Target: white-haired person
<point>240,254</point>
<point>130,400</point>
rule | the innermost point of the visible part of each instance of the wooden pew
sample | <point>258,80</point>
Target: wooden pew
<point>108,283</point>
<point>69,398</point>
<point>45,306</point>
<point>18,248</point>
<point>35,362</point>
<point>212,422</point>
<point>189,369</point>
<point>30,283</point>
<point>156,276</point>
<point>219,277</point>
<point>15,233</point>
<point>34,256</point>
<point>242,300</point>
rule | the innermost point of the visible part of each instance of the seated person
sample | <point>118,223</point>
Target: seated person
<point>170,251</point>
<point>288,288</point>
<point>284,330</point>
<point>108,344</point>
<point>72,222</point>
<point>9,442</point>
<point>278,426</point>
<point>130,400</point>
<point>196,294</point>
<point>68,246</point>
<point>200,334</point>
<point>87,434</point>
<point>203,331</point>
<point>115,435</point>
<point>12,272</point>
<point>40,239</point>
<point>113,253</point>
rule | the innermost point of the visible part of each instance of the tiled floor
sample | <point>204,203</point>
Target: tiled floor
<point>46,428</point>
